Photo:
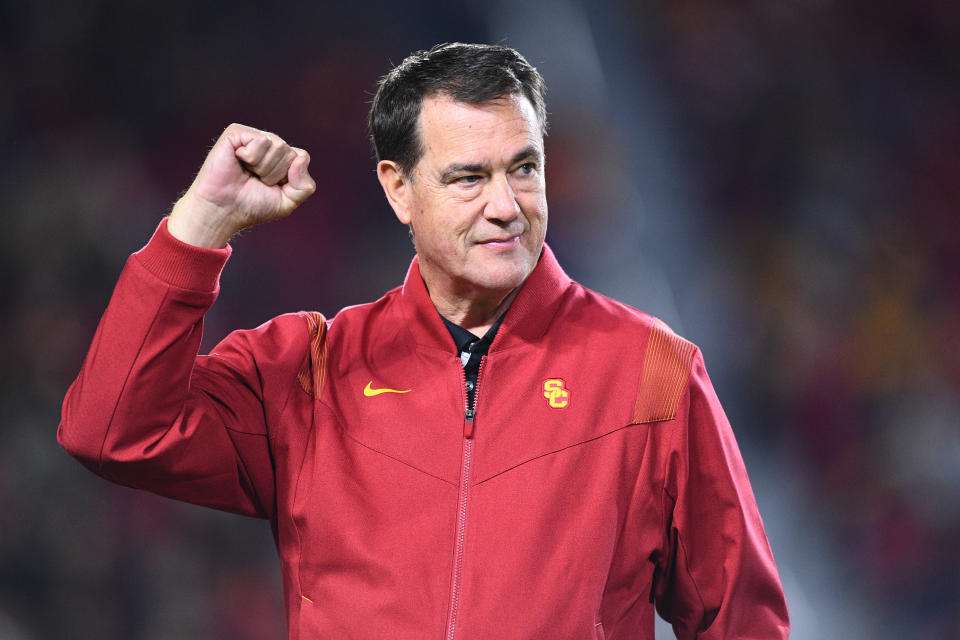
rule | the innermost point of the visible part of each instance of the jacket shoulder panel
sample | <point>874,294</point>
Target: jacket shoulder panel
<point>313,371</point>
<point>664,375</point>
<point>667,358</point>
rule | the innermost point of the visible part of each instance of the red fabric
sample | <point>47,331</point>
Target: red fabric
<point>572,519</point>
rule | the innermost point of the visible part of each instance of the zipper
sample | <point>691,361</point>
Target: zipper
<point>461,535</point>
<point>469,417</point>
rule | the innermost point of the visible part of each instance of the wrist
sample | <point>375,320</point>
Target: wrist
<point>199,224</point>
<point>182,265</point>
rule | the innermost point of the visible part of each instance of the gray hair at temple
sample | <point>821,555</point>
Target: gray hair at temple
<point>469,73</point>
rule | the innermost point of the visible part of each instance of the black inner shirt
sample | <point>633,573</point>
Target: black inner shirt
<point>471,350</point>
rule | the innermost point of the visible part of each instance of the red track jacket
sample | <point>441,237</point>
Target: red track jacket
<point>599,474</point>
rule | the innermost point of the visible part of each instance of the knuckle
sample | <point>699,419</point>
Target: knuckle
<point>275,140</point>
<point>236,127</point>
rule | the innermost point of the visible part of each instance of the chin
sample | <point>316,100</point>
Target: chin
<point>503,278</point>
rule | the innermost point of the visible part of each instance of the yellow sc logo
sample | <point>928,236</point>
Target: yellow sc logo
<point>556,395</point>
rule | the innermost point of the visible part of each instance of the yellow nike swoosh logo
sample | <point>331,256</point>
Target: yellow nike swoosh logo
<point>370,391</point>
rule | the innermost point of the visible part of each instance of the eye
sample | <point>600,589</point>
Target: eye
<point>526,169</point>
<point>469,179</point>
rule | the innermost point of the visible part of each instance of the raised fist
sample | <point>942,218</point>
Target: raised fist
<point>249,177</point>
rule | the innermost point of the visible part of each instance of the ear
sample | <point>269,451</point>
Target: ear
<point>396,187</point>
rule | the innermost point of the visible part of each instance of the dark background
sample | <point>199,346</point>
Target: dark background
<point>776,180</point>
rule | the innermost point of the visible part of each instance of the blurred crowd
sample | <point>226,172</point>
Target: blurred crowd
<point>826,140</point>
<point>779,181</point>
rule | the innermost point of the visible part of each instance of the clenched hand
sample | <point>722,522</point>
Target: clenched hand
<point>249,177</point>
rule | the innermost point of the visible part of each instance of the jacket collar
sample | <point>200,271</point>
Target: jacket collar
<point>526,320</point>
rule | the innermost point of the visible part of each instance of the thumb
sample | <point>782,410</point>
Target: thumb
<point>299,185</point>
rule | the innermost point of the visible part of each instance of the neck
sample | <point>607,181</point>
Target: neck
<point>475,315</point>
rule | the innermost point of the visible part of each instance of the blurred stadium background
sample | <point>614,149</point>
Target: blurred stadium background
<point>777,180</point>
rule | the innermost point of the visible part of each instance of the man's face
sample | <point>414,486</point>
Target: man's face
<point>477,201</point>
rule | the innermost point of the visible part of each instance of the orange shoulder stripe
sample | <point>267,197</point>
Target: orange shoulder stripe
<point>666,369</point>
<point>313,373</point>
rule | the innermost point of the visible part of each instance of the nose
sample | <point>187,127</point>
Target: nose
<point>502,201</point>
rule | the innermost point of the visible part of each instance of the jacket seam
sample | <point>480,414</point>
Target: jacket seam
<point>686,564</point>
<point>303,462</point>
<point>245,433</point>
<point>126,379</point>
<point>623,525</point>
<point>665,490</point>
<point>206,398</point>
<point>271,436</point>
<point>559,450</point>
<point>394,458</point>
<point>254,498</point>
<point>282,409</point>
<point>293,503</point>
<point>347,434</point>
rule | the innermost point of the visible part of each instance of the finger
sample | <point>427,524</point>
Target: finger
<point>277,148</point>
<point>253,152</point>
<point>300,185</point>
<point>272,167</point>
<point>279,168</point>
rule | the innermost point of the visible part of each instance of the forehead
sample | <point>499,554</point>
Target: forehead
<point>451,129</point>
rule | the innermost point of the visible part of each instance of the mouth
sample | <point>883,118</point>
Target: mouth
<point>502,243</point>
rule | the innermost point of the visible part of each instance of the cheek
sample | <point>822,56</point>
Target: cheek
<point>436,237</point>
<point>534,206</point>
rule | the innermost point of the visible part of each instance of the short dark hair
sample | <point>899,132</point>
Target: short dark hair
<point>470,73</point>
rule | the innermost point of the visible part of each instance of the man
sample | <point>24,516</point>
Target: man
<point>489,451</point>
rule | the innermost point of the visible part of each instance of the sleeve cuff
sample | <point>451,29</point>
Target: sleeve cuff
<point>180,264</point>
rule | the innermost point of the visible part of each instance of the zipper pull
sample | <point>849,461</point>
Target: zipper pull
<point>468,423</point>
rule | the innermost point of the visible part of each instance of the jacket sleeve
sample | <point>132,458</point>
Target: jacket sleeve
<point>147,412</point>
<point>717,578</point>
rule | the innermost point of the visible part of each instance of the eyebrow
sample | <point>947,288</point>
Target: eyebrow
<point>529,151</point>
<point>456,169</point>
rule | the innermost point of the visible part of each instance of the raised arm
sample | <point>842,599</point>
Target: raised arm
<point>145,410</point>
